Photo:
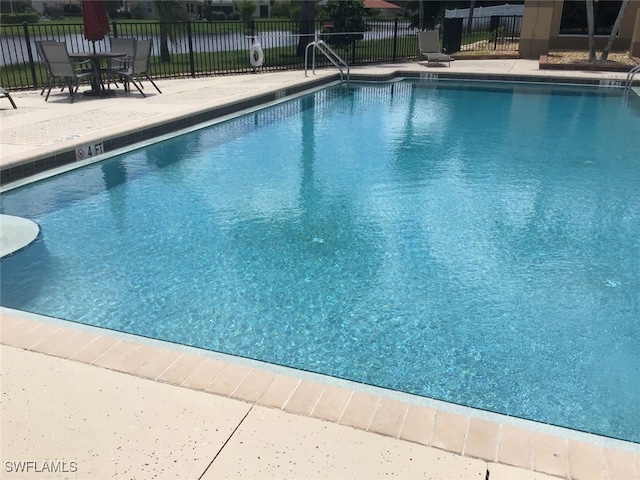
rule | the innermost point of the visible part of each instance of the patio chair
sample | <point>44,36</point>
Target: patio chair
<point>429,44</point>
<point>44,61</point>
<point>132,71</point>
<point>5,94</point>
<point>61,67</point>
<point>120,45</point>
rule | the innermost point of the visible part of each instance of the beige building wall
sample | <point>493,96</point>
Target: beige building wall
<point>541,27</point>
<point>537,20</point>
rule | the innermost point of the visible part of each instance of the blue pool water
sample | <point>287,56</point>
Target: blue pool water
<point>474,243</point>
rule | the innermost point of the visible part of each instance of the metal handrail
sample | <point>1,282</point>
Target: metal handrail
<point>328,52</point>
<point>629,81</point>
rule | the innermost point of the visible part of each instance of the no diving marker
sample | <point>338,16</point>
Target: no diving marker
<point>88,151</point>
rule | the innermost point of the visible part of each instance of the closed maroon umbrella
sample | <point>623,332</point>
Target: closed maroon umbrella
<point>94,20</point>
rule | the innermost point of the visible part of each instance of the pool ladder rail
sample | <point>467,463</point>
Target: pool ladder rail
<point>629,81</point>
<point>331,55</point>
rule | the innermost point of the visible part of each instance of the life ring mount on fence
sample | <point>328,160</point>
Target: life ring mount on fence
<point>256,56</point>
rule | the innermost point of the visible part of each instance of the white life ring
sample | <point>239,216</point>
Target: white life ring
<point>256,56</point>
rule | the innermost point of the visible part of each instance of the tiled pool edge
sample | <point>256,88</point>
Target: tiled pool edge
<point>186,367</point>
<point>66,157</point>
<point>485,76</point>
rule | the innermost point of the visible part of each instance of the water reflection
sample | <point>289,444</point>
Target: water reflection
<point>114,173</point>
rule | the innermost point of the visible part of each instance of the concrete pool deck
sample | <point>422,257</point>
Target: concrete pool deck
<point>90,403</point>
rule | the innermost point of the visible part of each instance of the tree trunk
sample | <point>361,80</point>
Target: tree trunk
<point>591,28</point>
<point>169,13</point>
<point>164,43</point>
<point>614,31</point>
<point>307,26</point>
<point>472,5</point>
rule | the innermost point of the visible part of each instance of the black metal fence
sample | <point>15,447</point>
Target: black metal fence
<point>191,49</point>
<point>482,34</point>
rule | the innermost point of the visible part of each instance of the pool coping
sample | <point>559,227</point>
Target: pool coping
<point>23,169</point>
<point>65,156</point>
<point>473,433</point>
<point>465,431</point>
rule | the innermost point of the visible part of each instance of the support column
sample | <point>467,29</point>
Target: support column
<point>537,20</point>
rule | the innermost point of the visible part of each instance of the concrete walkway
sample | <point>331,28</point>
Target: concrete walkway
<point>81,403</point>
<point>105,424</point>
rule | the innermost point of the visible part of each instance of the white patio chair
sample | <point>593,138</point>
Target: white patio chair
<point>429,44</point>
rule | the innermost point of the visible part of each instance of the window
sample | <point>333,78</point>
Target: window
<point>574,17</point>
<point>149,7</point>
<point>191,8</point>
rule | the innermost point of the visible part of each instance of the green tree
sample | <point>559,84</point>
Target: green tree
<point>112,6</point>
<point>137,10</point>
<point>207,11</point>
<point>286,9</point>
<point>54,12</point>
<point>170,13</point>
<point>23,6</point>
<point>246,9</point>
<point>426,14</point>
<point>347,16</point>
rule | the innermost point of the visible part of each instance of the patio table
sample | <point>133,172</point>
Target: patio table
<point>96,58</point>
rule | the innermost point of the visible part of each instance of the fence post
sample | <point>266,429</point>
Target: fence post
<point>192,65</point>
<point>114,27</point>
<point>494,25</point>
<point>395,39</point>
<point>30,54</point>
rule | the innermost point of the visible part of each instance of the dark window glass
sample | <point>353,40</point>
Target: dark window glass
<point>574,17</point>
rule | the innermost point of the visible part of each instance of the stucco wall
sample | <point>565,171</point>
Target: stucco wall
<point>541,26</point>
<point>536,28</point>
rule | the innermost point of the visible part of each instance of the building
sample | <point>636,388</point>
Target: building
<point>560,25</point>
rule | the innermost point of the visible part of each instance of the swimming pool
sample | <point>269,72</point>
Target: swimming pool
<point>475,243</point>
